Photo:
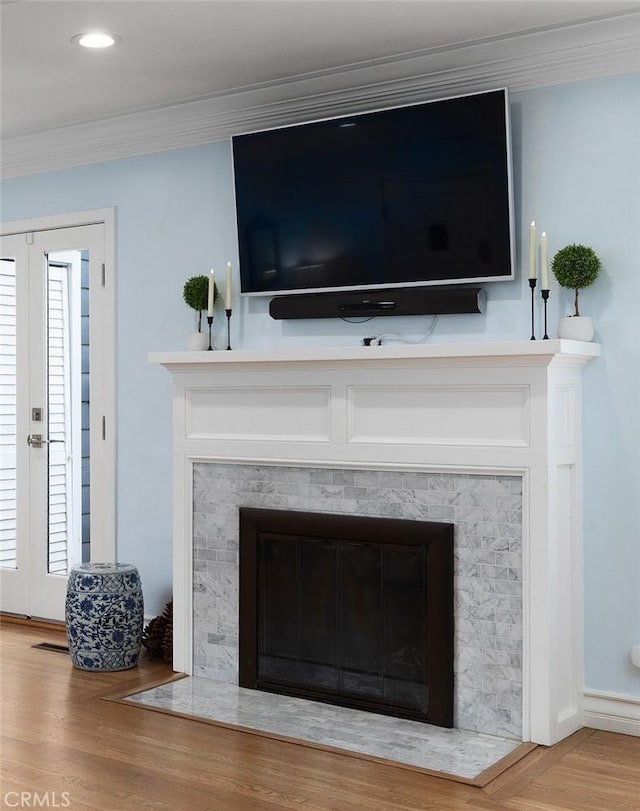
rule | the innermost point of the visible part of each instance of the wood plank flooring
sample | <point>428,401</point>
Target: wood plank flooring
<point>59,735</point>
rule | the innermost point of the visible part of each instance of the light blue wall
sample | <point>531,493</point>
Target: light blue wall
<point>174,219</point>
<point>584,179</point>
<point>577,173</point>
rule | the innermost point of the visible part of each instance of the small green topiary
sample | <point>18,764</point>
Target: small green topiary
<point>575,267</point>
<point>196,295</point>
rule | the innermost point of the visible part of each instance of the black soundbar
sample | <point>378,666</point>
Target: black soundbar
<point>389,301</point>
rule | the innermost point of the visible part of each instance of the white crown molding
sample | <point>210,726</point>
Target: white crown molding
<point>612,712</point>
<point>584,51</point>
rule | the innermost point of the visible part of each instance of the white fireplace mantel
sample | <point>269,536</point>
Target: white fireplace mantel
<point>510,408</point>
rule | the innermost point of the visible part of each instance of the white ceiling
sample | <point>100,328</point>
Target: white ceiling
<point>178,51</point>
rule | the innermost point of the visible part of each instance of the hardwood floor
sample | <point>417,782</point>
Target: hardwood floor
<point>59,735</point>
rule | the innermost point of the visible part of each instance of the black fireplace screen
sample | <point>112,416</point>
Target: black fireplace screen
<point>352,610</point>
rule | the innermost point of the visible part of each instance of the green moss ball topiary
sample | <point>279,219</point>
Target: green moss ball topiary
<point>196,292</point>
<point>575,267</point>
<point>196,295</point>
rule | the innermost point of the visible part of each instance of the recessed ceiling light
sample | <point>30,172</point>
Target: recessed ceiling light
<point>95,39</point>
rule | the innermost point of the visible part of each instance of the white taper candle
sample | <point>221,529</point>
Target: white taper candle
<point>544,262</point>
<point>228,291</point>
<point>211,289</point>
<point>532,250</point>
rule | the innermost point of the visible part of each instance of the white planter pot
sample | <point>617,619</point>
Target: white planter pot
<point>576,328</point>
<point>196,341</point>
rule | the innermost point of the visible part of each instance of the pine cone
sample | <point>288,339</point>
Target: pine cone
<point>157,637</point>
<point>167,639</point>
<point>168,612</point>
<point>153,635</point>
<point>167,644</point>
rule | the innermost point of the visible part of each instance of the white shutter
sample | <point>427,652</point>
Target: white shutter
<point>7,413</point>
<point>59,411</point>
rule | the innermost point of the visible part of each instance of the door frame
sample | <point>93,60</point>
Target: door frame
<point>104,548</point>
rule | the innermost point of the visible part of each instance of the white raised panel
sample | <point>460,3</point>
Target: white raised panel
<point>259,412</point>
<point>440,415</point>
<point>564,581</point>
<point>563,423</point>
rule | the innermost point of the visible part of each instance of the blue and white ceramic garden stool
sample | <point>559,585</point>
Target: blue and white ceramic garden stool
<point>104,615</point>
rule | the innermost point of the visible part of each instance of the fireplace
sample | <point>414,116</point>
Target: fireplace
<point>486,436</point>
<point>483,511</point>
<point>350,610</point>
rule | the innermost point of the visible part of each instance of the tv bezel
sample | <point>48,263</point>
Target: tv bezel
<point>392,285</point>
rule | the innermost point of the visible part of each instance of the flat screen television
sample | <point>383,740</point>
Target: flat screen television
<point>416,195</point>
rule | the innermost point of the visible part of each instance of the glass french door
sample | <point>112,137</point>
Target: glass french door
<point>49,423</point>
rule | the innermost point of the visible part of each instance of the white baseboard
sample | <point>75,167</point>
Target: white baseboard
<point>612,712</point>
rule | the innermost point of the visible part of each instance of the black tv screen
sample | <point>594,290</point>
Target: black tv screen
<point>406,196</point>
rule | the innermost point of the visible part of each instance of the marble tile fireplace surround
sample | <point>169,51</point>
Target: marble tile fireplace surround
<point>486,436</point>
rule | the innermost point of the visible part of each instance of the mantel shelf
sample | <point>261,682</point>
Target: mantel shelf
<point>529,352</point>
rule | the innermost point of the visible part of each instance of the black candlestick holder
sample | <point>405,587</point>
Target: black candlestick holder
<point>228,314</point>
<point>210,323</point>
<point>532,285</point>
<point>545,298</point>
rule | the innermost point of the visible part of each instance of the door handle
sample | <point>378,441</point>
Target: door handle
<point>37,441</point>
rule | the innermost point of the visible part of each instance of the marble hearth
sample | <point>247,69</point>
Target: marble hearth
<point>486,436</point>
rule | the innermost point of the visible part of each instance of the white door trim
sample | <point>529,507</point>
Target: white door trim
<point>104,547</point>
